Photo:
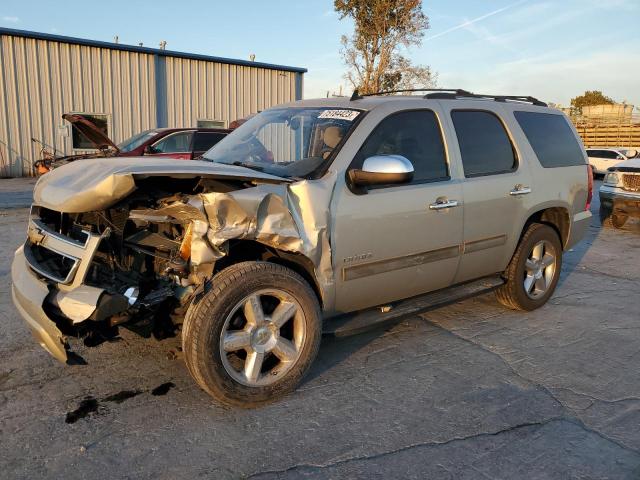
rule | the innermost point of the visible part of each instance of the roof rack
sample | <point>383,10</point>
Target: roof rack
<point>457,91</point>
<point>453,93</point>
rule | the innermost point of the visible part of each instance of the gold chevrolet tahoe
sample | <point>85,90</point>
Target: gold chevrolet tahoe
<point>317,216</point>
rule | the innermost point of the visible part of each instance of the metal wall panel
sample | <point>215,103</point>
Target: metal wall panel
<point>217,91</point>
<point>41,79</point>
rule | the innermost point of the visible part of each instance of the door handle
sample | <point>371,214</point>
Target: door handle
<point>442,203</point>
<point>520,189</point>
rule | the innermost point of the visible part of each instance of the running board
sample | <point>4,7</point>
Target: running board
<point>358,322</point>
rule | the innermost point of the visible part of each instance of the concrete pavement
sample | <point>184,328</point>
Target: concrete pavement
<point>471,390</point>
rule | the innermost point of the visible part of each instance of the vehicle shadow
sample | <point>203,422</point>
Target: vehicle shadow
<point>335,350</point>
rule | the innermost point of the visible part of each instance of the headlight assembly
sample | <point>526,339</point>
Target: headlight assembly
<point>611,179</point>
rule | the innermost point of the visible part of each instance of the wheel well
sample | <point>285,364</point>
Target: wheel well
<point>249,250</point>
<point>555,217</point>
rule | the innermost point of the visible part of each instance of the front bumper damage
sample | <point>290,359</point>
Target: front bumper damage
<point>37,289</point>
<point>29,295</point>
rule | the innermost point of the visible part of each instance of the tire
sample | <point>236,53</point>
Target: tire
<point>614,219</point>
<point>252,338</point>
<point>522,289</point>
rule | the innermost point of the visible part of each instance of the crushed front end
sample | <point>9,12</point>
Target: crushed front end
<point>131,244</point>
<point>82,275</point>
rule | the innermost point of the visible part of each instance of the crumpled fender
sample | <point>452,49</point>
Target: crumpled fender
<point>292,218</point>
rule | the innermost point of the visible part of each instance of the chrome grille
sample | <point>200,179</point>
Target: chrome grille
<point>631,182</point>
<point>59,257</point>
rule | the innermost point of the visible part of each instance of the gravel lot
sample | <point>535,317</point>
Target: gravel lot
<point>468,391</point>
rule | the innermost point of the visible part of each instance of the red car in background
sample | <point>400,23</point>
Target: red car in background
<point>180,143</point>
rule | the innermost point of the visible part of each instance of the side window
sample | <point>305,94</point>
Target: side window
<point>415,135</point>
<point>610,155</point>
<point>174,143</point>
<point>484,144</point>
<point>205,140</point>
<point>551,138</point>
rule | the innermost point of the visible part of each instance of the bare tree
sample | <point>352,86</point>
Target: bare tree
<point>372,53</point>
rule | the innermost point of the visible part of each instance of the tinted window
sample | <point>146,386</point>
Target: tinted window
<point>414,135</point>
<point>205,140</point>
<point>609,154</point>
<point>174,143</point>
<point>551,138</point>
<point>484,144</point>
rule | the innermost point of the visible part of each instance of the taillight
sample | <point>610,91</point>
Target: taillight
<point>589,187</point>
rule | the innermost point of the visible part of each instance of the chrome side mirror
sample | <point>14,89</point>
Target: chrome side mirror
<point>382,170</point>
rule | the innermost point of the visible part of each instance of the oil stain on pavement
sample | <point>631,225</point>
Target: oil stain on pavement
<point>90,405</point>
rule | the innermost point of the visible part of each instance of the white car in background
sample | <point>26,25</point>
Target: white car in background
<point>601,159</point>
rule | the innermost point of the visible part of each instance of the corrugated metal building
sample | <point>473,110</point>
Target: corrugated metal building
<point>131,88</point>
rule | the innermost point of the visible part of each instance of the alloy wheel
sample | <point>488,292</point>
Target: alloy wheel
<point>540,269</point>
<point>262,337</point>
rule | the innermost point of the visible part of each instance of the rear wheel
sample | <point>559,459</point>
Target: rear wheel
<point>534,270</point>
<point>254,335</point>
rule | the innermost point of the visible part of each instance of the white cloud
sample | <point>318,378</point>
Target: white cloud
<point>467,23</point>
<point>558,80</point>
<point>10,19</point>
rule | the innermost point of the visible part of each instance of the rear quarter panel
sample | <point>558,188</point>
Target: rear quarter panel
<point>563,187</point>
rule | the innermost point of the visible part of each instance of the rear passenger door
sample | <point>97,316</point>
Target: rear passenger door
<point>495,189</point>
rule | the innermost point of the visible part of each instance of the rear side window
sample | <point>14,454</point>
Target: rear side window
<point>205,140</point>
<point>484,144</point>
<point>416,136</point>
<point>551,138</point>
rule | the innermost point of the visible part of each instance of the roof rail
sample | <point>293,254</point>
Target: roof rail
<point>452,93</point>
<point>457,91</point>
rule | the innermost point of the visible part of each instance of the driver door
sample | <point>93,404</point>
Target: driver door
<point>393,241</point>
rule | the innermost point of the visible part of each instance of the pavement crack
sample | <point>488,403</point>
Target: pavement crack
<point>573,416</point>
<point>405,448</point>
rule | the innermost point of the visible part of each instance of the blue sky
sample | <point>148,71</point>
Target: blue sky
<point>552,49</point>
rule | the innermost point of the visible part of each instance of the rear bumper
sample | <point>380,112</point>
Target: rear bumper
<point>579,225</point>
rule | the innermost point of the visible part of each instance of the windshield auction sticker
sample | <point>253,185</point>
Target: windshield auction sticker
<point>348,115</point>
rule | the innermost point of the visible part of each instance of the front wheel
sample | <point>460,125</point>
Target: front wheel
<point>534,270</point>
<point>254,335</point>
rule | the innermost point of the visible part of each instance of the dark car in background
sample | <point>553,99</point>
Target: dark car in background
<point>179,143</point>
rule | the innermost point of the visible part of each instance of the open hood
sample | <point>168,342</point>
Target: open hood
<point>97,183</point>
<point>90,131</point>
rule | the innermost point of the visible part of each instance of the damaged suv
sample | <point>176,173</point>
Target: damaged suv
<point>320,215</point>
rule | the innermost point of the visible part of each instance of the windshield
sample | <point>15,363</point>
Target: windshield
<point>134,142</point>
<point>288,142</point>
